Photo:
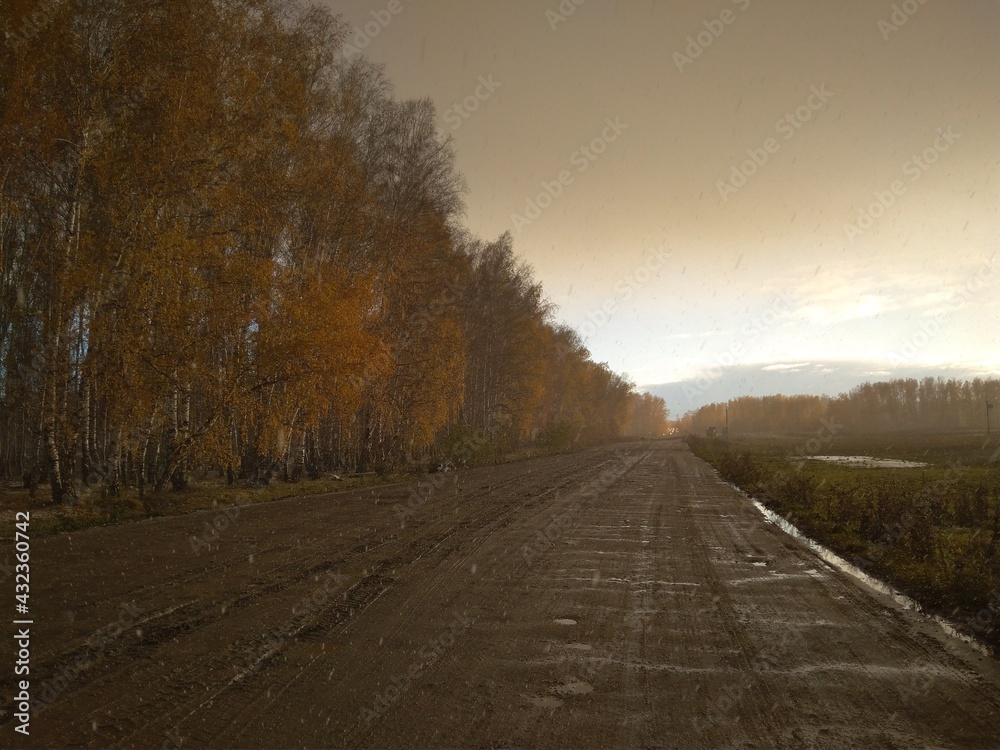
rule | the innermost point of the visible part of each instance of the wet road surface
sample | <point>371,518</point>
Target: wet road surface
<point>619,597</point>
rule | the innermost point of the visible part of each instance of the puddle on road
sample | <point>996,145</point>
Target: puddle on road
<point>578,646</point>
<point>545,701</point>
<point>564,621</point>
<point>836,561</point>
<point>588,552</point>
<point>868,462</point>
<point>630,582</point>
<point>774,576</point>
<point>573,686</point>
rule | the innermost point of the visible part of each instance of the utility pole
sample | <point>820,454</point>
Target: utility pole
<point>988,407</point>
<point>727,419</point>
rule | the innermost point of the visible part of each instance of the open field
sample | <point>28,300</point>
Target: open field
<point>622,596</point>
<point>942,450</point>
<point>933,531</point>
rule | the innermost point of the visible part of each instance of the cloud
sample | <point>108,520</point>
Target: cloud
<point>684,336</point>
<point>789,367</point>
<point>845,292</point>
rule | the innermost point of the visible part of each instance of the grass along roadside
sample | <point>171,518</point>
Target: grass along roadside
<point>932,532</point>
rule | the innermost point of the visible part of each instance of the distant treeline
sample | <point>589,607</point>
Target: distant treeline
<point>904,405</point>
<point>224,243</point>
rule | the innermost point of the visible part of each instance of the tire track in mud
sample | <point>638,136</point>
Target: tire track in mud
<point>210,569</point>
<point>434,531</point>
<point>630,647</point>
<point>568,478</point>
<point>763,665</point>
<point>750,688</point>
<point>696,590</point>
<point>505,510</point>
<point>572,673</point>
<point>885,666</point>
<point>167,625</point>
<point>413,552</point>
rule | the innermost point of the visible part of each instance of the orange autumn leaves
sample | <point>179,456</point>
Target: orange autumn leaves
<point>225,245</point>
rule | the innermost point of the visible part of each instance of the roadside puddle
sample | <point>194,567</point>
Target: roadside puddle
<point>565,621</point>
<point>869,462</point>
<point>836,561</point>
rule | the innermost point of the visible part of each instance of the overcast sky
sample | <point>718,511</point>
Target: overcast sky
<point>766,182</point>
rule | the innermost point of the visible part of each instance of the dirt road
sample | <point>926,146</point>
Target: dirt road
<point>619,597</point>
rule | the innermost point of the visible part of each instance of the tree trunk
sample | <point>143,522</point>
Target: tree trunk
<point>83,419</point>
<point>178,478</point>
<point>296,461</point>
<point>113,479</point>
<point>60,478</point>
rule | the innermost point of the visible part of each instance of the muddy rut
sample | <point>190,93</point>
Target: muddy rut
<point>618,597</point>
